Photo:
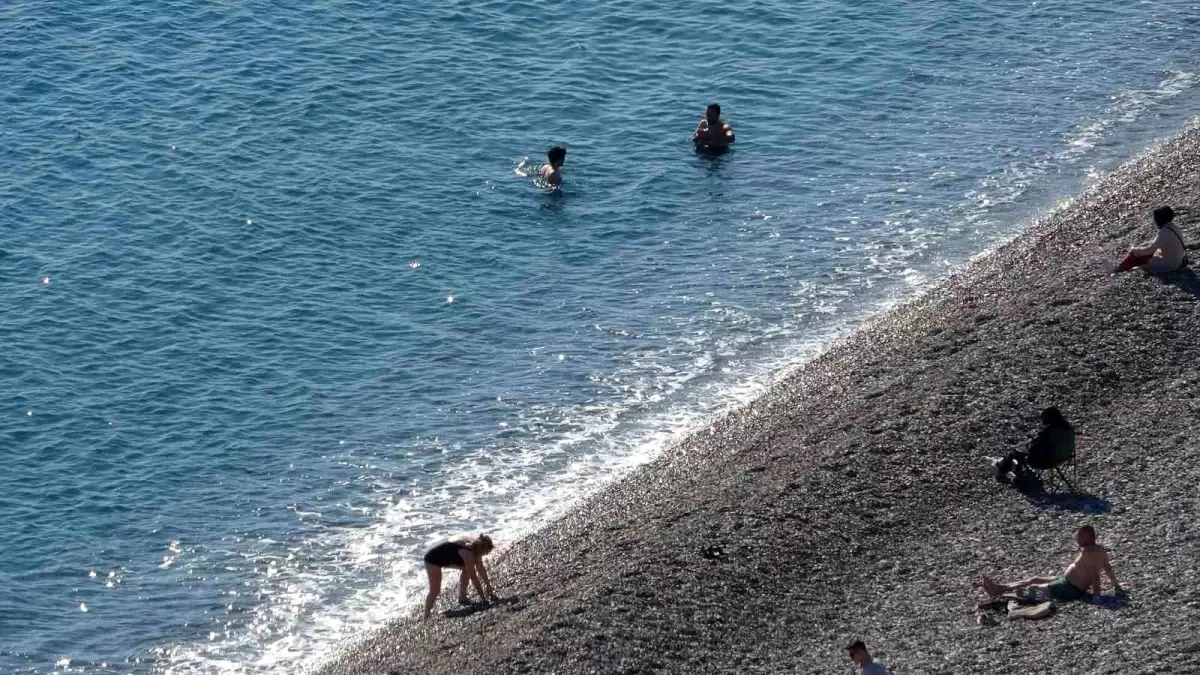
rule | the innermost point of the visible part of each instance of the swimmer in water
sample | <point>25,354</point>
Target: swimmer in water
<point>713,134</point>
<point>464,552</point>
<point>550,171</point>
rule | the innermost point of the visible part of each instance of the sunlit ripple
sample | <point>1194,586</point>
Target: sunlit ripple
<point>236,388</point>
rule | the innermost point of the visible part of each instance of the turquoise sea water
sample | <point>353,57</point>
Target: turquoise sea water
<point>279,308</point>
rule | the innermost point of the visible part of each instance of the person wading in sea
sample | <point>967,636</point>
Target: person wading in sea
<point>550,172</point>
<point>464,552</point>
<point>713,135</point>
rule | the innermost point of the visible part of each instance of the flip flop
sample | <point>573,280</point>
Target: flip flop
<point>993,604</point>
<point>1016,611</point>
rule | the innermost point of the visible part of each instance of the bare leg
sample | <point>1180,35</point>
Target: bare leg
<point>1011,462</point>
<point>463,581</point>
<point>994,589</point>
<point>435,587</point>
<point>1132,260</point>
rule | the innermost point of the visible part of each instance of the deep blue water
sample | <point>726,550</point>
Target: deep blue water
<point>279,308</point>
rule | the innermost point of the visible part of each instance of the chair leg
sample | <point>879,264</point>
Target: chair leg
<point>1057,473</point>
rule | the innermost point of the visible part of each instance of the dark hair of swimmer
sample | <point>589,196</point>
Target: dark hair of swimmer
<point>557,155</point>
<point>1163,215</point>
<point>713,113</point>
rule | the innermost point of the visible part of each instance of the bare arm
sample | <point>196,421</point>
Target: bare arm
<point>1108,571</point>
<point>469,563</point>
<point>482,573</point>
<point>1151,247</point>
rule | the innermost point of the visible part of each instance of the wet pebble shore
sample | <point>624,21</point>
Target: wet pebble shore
<point>855,499</point>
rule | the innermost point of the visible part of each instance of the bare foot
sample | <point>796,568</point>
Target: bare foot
<point>992,588</point>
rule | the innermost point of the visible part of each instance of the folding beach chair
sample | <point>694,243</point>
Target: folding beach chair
<point>1052,470</point>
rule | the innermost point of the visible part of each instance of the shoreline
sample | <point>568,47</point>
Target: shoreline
<point>853,499</point>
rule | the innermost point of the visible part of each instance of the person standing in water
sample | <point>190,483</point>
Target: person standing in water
<point>713,134</point>
<point>550,171</point>
<point>464,552</point>
<point>1165,253</point>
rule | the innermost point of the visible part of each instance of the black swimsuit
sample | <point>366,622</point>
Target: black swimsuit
<point>446,554</point>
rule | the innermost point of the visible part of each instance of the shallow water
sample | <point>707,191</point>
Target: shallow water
<point>279,309</point>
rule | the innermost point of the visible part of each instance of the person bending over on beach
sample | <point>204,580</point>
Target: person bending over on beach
<point>1165,253</point>
<point>1081,578</point>
<point>1054,444</point>
<point>864,664</point>
<point>713,134</point>
<point>464,552</point>
<point>549,172</point>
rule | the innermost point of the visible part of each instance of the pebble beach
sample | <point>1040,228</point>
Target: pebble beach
<point>855,499</point>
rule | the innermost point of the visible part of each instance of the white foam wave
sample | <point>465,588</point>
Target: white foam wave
<point>1126,106</point>
<point>508,492</point>
<point>347,581</point>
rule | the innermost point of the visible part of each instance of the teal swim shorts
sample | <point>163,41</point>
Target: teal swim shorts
<point>1061,589</point>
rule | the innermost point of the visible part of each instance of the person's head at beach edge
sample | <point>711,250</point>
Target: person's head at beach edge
<point>863,661</point>
<point>858,653</point>
<point>1053,417</point>
<point>483,545</point>
<point>1163,215</point>
<point>1085,536</point>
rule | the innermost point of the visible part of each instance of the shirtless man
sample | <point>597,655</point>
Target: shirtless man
<point>1081,578</point>
<point>713,134</point>
<point>549,172</point>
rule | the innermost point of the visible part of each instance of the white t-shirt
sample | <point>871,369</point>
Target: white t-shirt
<point>1171,244</point>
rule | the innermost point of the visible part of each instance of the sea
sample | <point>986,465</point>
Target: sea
<point>280,304</point>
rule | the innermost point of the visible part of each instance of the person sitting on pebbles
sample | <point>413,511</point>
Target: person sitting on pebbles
<point>464,552</point>
<point>1165,253</point>
<point>1081,579</point>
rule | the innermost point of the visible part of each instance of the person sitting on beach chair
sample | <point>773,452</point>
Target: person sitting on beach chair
<point>1081,579</point>
<point>464,552</point>
<point>1166,253</point>
<point>1054,445</point>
